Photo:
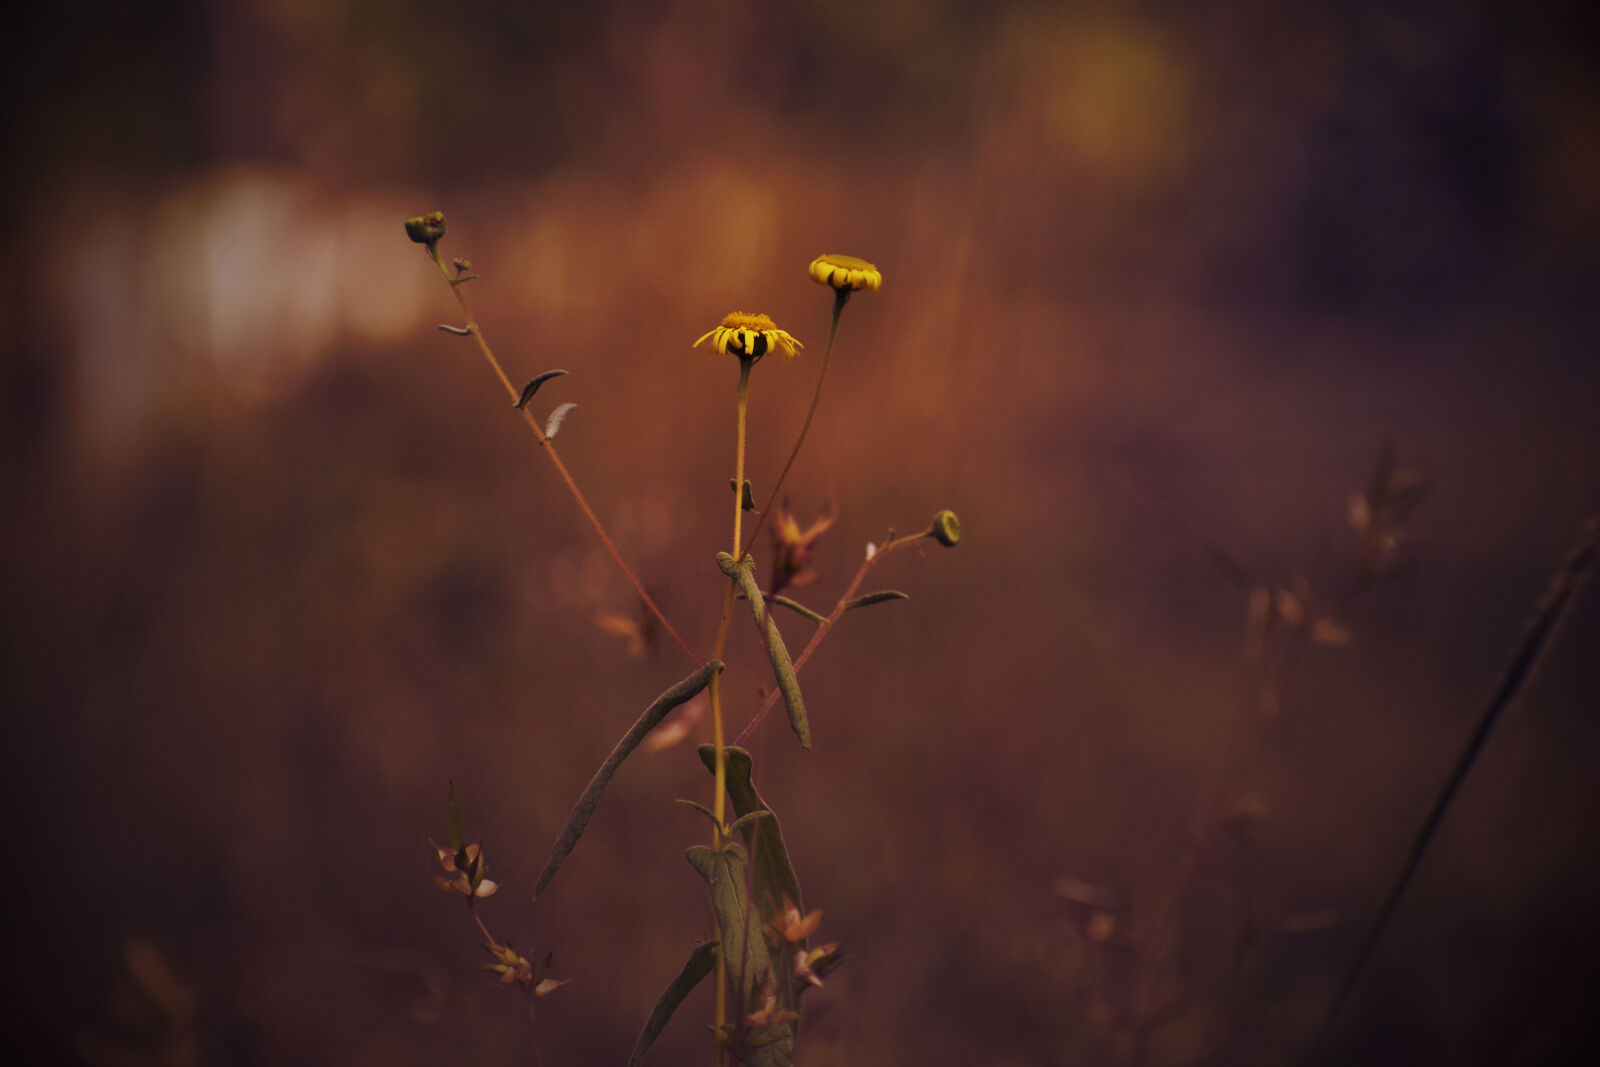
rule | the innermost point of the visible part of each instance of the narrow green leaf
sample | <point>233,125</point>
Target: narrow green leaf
<point>772,875</point>
<point>744,947</point>
<point>874,598</point>
<point>800,609</point>
<point>702,809</point>
<point>702,961</point>
<point>584,809</point>
<point>744,822</point>
<point>782,667</point>
<point>533,387</point>
<point>458,840</point>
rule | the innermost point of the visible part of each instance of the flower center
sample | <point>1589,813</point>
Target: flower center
<point>738,320</point>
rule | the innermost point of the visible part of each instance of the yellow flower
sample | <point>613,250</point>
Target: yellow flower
<point>750,337</point>
<point>846,272</point>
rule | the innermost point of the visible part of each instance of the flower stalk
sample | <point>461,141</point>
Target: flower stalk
<point>427,230</point>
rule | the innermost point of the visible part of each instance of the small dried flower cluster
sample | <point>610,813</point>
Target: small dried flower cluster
<point>1393,492</point>
<point>767,1012</point>
<point>1289,609</point>
<point>466,869</point>
<point>793,548</point>
<point>790,929</point>
<point>466,875</point>
<point>514,969</point>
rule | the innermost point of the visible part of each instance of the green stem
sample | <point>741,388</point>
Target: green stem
<point>718,803</point>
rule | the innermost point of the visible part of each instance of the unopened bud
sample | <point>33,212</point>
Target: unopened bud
<point>946,528</point>
<point>426,229</point>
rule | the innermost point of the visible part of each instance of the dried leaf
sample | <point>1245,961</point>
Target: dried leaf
<point>1080,892</point>
<point>1330,633</point>
<point>552,425</point>
<point>677,727</point>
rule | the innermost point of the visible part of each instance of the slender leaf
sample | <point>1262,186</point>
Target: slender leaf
<point>874,598</point>
<point>743,945</point>
<point>782,667</point>
<point>584,809</point>
<point>458,840</point>
<point>800,609</point>
<point>744,948</point>
<point>743,823</point>
<point>702,961</point>
<point>533,387</point>
<point>702,809</point>
<point>773,876</point>
<point>552,425</point>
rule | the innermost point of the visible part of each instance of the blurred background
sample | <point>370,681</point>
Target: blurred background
<point>1160,281</point>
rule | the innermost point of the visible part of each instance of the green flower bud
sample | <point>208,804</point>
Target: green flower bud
<point>946,528</point>
<point>426,229</point>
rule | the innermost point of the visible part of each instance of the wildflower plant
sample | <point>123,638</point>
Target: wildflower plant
<point>760,955</point>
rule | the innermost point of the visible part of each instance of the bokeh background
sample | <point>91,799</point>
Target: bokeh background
<point>279,561</point>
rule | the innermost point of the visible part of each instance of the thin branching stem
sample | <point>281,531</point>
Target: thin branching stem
<point>1546,622</point>
<point>827,625</point>
<point>555,458</point>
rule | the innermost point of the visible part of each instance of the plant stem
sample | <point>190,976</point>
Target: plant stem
<point>827,625</point>
<point>742,405</point>
<point>1545,623</point>
<point>839,298</point>
<point>720,784</point>
<point>555,458</point>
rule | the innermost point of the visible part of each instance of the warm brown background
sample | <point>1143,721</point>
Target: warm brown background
<point>279,562</point>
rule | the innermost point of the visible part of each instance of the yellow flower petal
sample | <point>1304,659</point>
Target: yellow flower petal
<point>750,336</point>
